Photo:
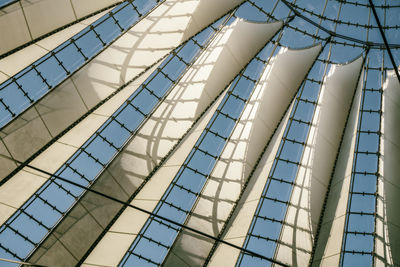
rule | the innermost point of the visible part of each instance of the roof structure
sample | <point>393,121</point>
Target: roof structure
<point>199,132</point>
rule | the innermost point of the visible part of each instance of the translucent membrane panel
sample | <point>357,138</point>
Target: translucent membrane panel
<point>39,215</point>
<point>265,228</point>
<point>29,85</point>
<point>156,237</point>
<point>358,242</point>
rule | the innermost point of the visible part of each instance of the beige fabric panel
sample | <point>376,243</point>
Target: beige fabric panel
<point>14,63</point>
<point>317,162</point>
<point>27,20</point>
<point>329,244</point>
<point>387,242</point>
<point>131,54</point>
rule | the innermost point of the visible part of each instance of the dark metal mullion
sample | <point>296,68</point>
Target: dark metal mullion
<point>172,205</point>
<point>154,241</point>
<point>73,42</point>
<point>282,222</point>
<point>217,134</point>
<point>46,202</point>
<point>116,21</point>
<point>268,15</point>
<point>283,181</point>
<point>90,155</point>
<point>364,173</point>
<point>137,109</point>
<point>7,250</point>
<point>300,121</point>
<point>359,252</point>
<point>272,199</point>
<point>363,193</point>
<point>67,192</point>
<point>205,152</point>
<point>22,89</point>
<point>225,115</point>
<point>54,54</point>
<point>367,153</point>
<point>31,217</point>
<point>122,125</point>
<point>44,80</point>
<point>141,257</point>
<point>7,108</point>
<point>111,144</point>
<point>186,166</point>
<point>74,170</point>
<point>361,233</point>
<point>287,160</point>
<point>370,132</point>
<point>370,111</point>
<point>362,213</point>
<point>28,203</point>
<point>277,241</point>
<point>97,34</point>
<point>135,8</point>
<point>293,141</point>
<point>181,187</point>
<point>26,238</point>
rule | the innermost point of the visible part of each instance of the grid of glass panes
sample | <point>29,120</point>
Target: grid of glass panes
<point>358,242</point>
<point>29,85</point>
<point>352,20</point>
<point>265,229</point>
<point>157,237</point>
<point>20,234</point>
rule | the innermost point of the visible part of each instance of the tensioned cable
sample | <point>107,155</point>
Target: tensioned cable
<point>148,212</point>
<point>385,40</point>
